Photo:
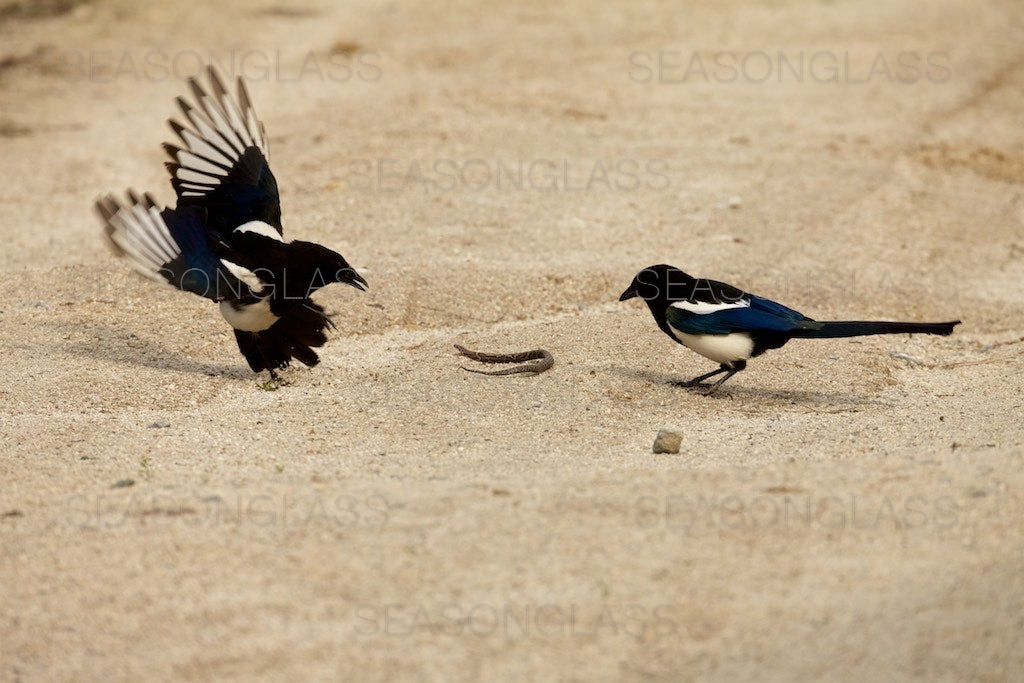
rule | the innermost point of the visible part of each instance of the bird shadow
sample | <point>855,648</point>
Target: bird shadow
<point>112,344</point>
<point>816,398</point>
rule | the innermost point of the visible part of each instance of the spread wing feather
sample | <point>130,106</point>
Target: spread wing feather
<point>169,246</point>
<point>221,164</point>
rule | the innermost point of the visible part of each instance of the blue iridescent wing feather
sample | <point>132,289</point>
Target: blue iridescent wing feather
<point>762,315</point>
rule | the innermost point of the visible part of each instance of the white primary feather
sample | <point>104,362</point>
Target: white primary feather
<point>223,126</point>
<point>143,237</point>
<point>217,117</point>
<point>704,307</point>
<point>162,233</point>
<point>257,132</point>
<point>190,176</point>
<point>208,132</point>
<point>252,123</point>
<point>234,115</point>
<point>198,163</point>
<point>204,148</point>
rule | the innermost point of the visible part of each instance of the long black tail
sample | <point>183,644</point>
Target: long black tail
<point>302,327</point>
<point>827,330</point>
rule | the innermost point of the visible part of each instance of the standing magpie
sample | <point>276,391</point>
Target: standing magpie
<point>730,326</point>
<point>224,239</point>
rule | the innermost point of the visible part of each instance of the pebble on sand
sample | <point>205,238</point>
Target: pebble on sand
<point>667,442</point>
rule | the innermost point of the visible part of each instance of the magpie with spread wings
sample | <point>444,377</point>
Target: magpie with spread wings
<point>224,240</point>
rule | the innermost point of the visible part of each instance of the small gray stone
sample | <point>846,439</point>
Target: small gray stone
<point>123,483</point>
<point>159,424</point>
<point>667,442</point>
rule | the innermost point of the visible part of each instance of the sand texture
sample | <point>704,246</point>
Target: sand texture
<point>842,510</point>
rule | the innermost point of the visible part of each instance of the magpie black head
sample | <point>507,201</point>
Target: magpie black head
<point>658,284</point>
<point>327,266</point>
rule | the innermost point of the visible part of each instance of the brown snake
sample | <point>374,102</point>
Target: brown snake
<point>540,360</point>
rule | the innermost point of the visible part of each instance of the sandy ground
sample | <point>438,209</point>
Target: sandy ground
<point>848,509</point>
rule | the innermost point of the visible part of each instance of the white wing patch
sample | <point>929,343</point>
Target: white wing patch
<point>139,233</point>
<point>219,120</point>
<point>251,122</point>
<point>260,228</point>
<point>199,178</point>
<point>704,307</point>
<point>244,274</point>
<point>197,163</point>
<point>203,148</point>
<point>222,128</point>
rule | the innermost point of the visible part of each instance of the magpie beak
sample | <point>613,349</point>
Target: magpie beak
<point>628,294</point>
<point>350,277</point>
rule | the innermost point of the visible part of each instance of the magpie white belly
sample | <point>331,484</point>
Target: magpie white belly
<point>254,317</point>
<point>721,348</point>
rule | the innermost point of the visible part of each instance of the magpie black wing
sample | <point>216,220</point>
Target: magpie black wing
<point>171,246</point>
<point>718,308</point>
<point>223,166</point>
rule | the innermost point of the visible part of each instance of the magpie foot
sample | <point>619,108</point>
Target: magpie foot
<point>703,388</point>
<point>690,384</point>
<point>274,383</point>
<point>699,383</point>
<point>716,385</point>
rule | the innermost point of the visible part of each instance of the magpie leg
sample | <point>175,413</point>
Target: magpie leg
<point>737,366</point>
<point>274,377</point>
<point>695,382</point>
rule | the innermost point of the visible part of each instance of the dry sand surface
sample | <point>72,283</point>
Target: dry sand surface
<point>846,509</point>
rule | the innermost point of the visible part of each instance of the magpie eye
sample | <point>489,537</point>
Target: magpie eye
<point>648,290</point>
<point>678,290</point>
